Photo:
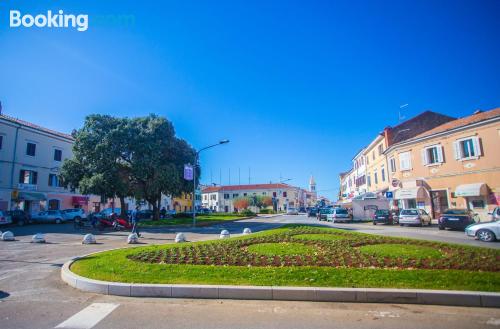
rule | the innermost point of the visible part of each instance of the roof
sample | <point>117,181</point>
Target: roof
<point>34,126</point>
<point>245,187</point>
<point>419,124</point>
<point>462,122</point>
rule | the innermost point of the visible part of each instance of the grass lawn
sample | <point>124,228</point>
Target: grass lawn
<point>283,257</point>
<point>200,219</point>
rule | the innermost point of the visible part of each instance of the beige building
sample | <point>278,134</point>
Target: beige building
<point>377,179</point>
<point>455,165</point>
<point>30,160</point>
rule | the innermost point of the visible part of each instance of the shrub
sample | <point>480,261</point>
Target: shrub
<point>247,212</point>
<point>266,211</point>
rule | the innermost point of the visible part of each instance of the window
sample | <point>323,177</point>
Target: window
<point>235,195</point>
<point>274,194</point>
<point>28,177</point>
<point>53,205</point>
<point>57,155</point>
<point>55,180</point>
<point>31,149</point>
<point>226,196</point>
<point>213,197</point>
<point>244,194</point>
<point>392,161</point>
<point>284,194</point>
<point>205,197</point>
<point>373,155</point>
<point>405,161</point>
<point>264,193</point>
<point>380,149</point>
<point>382,174</point>
<point>369,180</point>
<point>375,178</point>
<point>1,141</point>
<point>467,148</point>
<point>477,203</point>
<point>432,155</point>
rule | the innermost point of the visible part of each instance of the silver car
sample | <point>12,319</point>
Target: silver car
<point>414,217</point>
<point>50,216</point>
<point>338,215</point>
<point>76,213</point>
<point>487,232</point>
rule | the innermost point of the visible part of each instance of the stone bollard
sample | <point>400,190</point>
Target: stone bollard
<point>88,239</point>
<point>224,234</point>
<point>247,231</point>
<point>38,238</point>
<point>132,238</point>
<point>8,236</point>
<point>180,237</point>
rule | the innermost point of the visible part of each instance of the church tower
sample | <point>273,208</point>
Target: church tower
<point>312,184</point>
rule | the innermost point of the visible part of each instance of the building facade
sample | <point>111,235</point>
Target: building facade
<point>220,198</point>
<point>30,161</point>
<point>455,165</point>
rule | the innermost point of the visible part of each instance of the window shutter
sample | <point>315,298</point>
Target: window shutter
<point>440,153</point>
<point>476,141</point>
<point>21,176</point>
<point>456,149</point>
<point>35,178</point>
<point>425,161</point>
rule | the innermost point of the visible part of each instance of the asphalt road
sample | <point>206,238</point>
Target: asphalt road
<point>33,296</point>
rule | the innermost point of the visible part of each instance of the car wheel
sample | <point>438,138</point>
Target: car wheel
<point>77,218</point>
<point>441,227</point>
<point>485,235</point>
<point>421,223</point>
<point>20,222</point>
<point>430,223</point>
<point>401,224</point>
<point>374,223</point>
<point>58,221</point>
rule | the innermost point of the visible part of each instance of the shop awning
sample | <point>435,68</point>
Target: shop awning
<point>80,200</point>
<point>31,196</point>
<point>477,189</point>
<point>418,192</point>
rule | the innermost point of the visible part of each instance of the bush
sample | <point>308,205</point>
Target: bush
<point>247,212</point>
<point>266,211</point>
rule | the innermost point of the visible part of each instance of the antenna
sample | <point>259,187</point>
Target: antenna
<point>401,117</point>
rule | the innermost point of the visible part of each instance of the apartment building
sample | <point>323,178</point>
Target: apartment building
<point>220,198</point>
<point>377,180</point>
<point>30,160</point>
<point>455,165</point>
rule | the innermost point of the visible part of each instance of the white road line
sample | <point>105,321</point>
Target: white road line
<point>89,316</point>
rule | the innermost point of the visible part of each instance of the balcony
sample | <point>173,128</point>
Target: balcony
<point>27,187</point>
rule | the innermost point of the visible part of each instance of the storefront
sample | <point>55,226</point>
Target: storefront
<point>80,202</point>
<point>31,202</point>
<point>476,196</point>
<point>413,197</point>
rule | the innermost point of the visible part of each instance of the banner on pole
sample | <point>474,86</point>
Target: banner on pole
<point>188,172</point>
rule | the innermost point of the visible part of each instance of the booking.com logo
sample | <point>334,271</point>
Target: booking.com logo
<point>50,20</point>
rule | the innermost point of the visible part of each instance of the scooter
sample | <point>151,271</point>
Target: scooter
<point>121,224</point>
<point>103,223</point>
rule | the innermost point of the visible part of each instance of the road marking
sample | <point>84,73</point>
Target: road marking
<point>89,316</point>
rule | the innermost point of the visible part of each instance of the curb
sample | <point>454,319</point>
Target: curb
<point>313,294</point>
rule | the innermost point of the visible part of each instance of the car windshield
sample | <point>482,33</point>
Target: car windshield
<point>325,211</point>
<point>456,212</point>
<point>412,212</point>
<point>341,211</point>
<point>382,212</point>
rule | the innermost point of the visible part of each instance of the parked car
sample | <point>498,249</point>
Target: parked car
<point>302,210</point>
<point>338,215</point>
<point>495,214</point>
<point>144,214</point>
<point>385,216</point>
<point>292,211</point>
<point>74,214</point>
<point>50,216</point>
<point>487,232</point>
<point>312,212</point>
<point>414,217</point>
<point>19,217</point>
<point>457,219</point>
<point>322,213</point>
<point>5,218</point>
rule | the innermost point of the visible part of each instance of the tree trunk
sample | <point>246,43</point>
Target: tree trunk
<point>156,211</point>
<point>123,212</point>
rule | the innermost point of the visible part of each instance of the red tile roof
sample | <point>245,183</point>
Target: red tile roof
<point>462,122</point>
<point>34,126</point>
<point>245,187</point>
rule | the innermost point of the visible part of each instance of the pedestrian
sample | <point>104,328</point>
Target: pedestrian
<point>135,221</point>
<point>163,213</point>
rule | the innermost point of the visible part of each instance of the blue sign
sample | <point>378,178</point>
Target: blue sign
<point>188,172</point>
<point>389,195</point>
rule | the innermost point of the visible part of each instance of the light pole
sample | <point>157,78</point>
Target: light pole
<point>196,155</point>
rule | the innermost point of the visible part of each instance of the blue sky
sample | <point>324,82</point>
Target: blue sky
<point>297,86</point>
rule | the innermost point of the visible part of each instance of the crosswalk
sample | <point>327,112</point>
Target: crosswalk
<point>89,316</point>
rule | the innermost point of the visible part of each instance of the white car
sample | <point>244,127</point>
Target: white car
<point>292,211</point>
<point>338,215</point>
<point>414,217</point>
<point>486,232</point>
<point>76,213</point>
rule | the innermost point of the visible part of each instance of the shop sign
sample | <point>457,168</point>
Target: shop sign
<point>188,172</point>
<point>389,195</point>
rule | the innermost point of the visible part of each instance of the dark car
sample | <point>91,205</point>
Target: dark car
<point>312,212</point>
<point>145,214</point>
<point>456,219</point>
<point>385,216</point>
<point>20,217</point>
<point>323,213</point>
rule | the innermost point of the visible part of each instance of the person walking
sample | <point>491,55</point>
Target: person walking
<point>135,221</point>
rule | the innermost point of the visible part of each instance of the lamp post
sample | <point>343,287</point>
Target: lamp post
<point>196,156</point>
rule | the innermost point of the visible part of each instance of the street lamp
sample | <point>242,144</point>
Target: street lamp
<point>196,156</point>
